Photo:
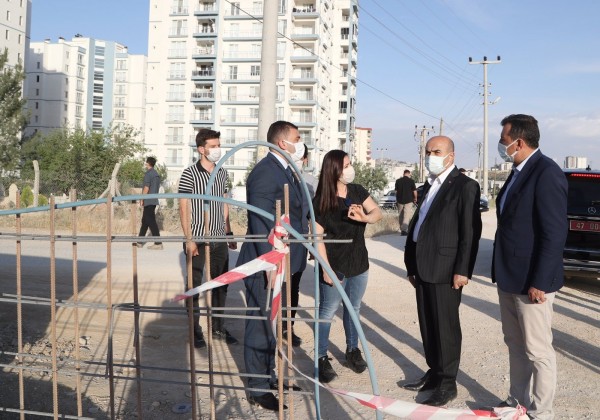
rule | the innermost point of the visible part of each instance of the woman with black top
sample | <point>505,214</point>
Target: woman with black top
<point>342,211</point>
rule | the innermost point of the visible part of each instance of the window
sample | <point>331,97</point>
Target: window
<point>79,58</point>
<point>252,134</point>
<point>98,75</point>
<point>37,105</point>
<point>79,99</point>
<point>66,94</point>
<point>343,107</point>
<point>177,71</point>
<point>342,125</point>
<point>119,114</point>
<point>98,88</point>
<point>8,15</point>
<point>79,84</point>
<point>120,102</point>
<point>280,70</point>
<point>97,100</point>
<point>233,72</point>
<point>175,135</point>
<point>120,89</point>
<point>254,70</point>
<point>7,35</point>
<point>235,8</point>
<point>175,113</point>
<point>253,112</point>
<point>255,92</point>
<point>232,93</point>
<point>280,92</point>
<point>280,49</point>
<point>20,39</point>
<point>79,71</point>
<point>121,76</point>
<point>99,50</point>
<point>37,78</point>
<point>38,64</point>
<point>66,108</point>
<point>97,113</point>
<point>37,92</point>
<point>121,65</point>
<point>99,63</point>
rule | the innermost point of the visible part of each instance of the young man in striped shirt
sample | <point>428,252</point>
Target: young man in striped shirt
<point>193,180</point>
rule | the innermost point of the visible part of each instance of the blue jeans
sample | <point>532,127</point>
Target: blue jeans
<point>330,301</point>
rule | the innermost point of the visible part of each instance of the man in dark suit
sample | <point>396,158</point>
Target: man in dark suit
<point>441,247</point>
<point>528,264</point>
<point>265,185</point>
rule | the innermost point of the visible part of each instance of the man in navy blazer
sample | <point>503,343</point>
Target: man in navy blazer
<point>441,248</point>
<point>527,264</point>
<point>265,185</point>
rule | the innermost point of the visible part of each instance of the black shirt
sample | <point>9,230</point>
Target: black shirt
<point>404,190</point>
<point>350,259</point>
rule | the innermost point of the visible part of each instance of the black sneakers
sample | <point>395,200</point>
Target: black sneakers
<point>224,335</point>
<point>326,372</point>
<point>355,361</point>
<point>199,341</point>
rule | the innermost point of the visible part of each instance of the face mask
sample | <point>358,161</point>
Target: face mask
<point>299,153</point>
<point>503,152</point>
<point>348,175</point>
<point>435,164</point>
<point>214,154</point>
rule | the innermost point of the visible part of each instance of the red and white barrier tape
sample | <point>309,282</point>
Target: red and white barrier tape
<point>273,260</point>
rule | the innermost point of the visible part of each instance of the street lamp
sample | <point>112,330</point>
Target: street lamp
<point>381,150</point>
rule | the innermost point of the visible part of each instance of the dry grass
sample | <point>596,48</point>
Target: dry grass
<point>94,221</point>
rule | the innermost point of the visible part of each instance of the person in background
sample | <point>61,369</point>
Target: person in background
<point>151,186</point>
<point>441,248</point>
<point>342,211</point>
<point>527,264</point>
<point>406,199</point>
<point>194,180</point>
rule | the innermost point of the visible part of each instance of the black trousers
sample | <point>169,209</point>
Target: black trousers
<point>219,264</point>
<point>295,295</point>
<point>439,322</point>
<point>149,221</point>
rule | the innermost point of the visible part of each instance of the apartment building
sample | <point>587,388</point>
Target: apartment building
<point>362,146</point>
<point>575,162</point>
<point>204,64</point>
<point>15,25</point>
<point>86,83</point>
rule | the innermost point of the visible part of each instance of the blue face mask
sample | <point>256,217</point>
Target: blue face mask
<point>503,152</point>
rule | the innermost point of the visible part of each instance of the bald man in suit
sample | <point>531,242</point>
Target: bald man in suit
<point>441,247</point>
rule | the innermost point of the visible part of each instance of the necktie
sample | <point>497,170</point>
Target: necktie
<point>513,177</point>
<point>290,174</point>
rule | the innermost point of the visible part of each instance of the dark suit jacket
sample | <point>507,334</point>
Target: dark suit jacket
<point>449,236</point>
<point>532,229</point>
<point>263,187</point>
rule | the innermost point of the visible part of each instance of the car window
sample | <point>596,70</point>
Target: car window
<point>583,192</point>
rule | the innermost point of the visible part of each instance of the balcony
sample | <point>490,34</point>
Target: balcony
<point>176,75</point>
<point>304,99</point>
<point>303,78</point>
<point>179,11</point>
<point>249,56</point>
<point>203,52</point>
<point>242,36</point>
<point>177,53</point>
<point>302,55</point>
<point>205,32</point>
<point>175,119</point>
<point>239,99</point>
<point>175,97</point>
<point>307,11</point>
<point>233,13</point>
<point>250,120</point>
<point>205,74</point>
<point>174,140</point>
<point>201,118</point>
<point>204,95</point>
<point>304,36</point>
<point>304,120</point>
<point>241,78</point>
<point>206,9</point>
<point>232,141</point>
<point>178,32</point>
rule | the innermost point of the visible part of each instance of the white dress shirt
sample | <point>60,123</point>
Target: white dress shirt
<point>435,182</point>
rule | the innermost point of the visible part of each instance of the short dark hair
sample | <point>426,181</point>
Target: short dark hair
<point>462,170</point>
<point>523,127</point>
<point>406,171</point>
<point>206,134</point>
<point>151,160</point>
<point>305,155</point>
<point>278,129</point>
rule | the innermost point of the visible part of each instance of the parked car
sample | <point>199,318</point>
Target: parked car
<point>484,204</point>
<point>388,200</point>
<point>581,255</point>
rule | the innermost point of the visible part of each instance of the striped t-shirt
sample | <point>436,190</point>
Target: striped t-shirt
<point>193,181</point>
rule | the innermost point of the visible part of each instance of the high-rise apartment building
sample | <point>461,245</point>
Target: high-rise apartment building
<point>86,83</point>
<point>204,64</point>
<point>15,25</point>
<point>362,146</point>
<point>576,162</point>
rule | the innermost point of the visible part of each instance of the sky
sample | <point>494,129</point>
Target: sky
<point>413,67</point>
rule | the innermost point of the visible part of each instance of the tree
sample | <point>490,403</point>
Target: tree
<point>373,179</point>
<point>75,158</point>
<point>12,114</point>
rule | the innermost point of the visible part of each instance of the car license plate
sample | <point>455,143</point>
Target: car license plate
<point>584,226</point>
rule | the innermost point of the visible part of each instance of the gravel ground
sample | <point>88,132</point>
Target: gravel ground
<point>388,318</point>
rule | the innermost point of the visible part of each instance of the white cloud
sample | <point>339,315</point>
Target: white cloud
<point>579,68</point>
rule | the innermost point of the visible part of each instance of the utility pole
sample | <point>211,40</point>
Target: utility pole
<point>424,133</point>
<point>268,73</point>
<point>479,163</point>
<point>485,62</point>
<point>441,126</point>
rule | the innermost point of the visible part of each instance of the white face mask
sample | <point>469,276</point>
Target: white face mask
<point>214,154</point>
<point>299,153</point>
<point>435,164</point>
<point>503,152</point>
<point>348,175</point>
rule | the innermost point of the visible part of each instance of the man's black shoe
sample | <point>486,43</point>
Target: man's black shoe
<point>199,341</point>
<point>267,401</point>
<point>426,383</point>
<point>224,335</point>
<point>441,397</point>
<point>296,341</point>
<point>355,361</point>
<point>273,386</point>
<point>326,372</point>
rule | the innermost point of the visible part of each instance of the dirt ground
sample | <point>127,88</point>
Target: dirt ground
<point>388,318</point>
